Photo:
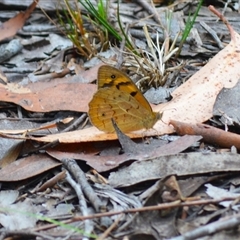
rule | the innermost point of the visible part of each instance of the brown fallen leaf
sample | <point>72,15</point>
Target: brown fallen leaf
<point>26,131</point>
<point>210,134</point>
<point>27,167</point>
<point>66,96</point>
<point>12,154</point>
<point>58,94</point>
<point>104,162</point>
<point>10,28</point>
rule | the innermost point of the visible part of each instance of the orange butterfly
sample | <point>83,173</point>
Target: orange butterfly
<point>118,98</point>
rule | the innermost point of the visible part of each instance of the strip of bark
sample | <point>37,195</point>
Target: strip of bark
<point>210,134</point>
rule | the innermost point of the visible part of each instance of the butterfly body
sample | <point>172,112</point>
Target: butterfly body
<point>119,98</point>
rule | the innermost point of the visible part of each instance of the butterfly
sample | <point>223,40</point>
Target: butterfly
<point>118,98</point>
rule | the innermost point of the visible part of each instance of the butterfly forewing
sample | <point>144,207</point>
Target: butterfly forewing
<point>110,77</point>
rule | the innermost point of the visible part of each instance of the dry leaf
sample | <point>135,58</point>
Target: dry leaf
<point>66,96</point>
<point>112,160</point>
<point>27,167</point>
<point>10,28</point>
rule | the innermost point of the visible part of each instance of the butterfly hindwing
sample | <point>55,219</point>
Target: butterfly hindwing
<point>122,107</point>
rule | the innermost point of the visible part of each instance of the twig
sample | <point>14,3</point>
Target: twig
<point>108,231</point>
<point>145,4</point>
<point>80,177</point>
<point>162,206</point>
<point>213,34</point>
<point>122,45</point>
<point>24,234</point>
<point>75,124</point>
<point>51,182</point>
<point>225,6</point>
<point>222,224</point>
<point>225,21</point>
<point>82,204</point>
<point>45,146</point>
<point>210,134</point>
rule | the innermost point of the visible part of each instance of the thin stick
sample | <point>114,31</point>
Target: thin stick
<point>162,206</point>
<point>225,21</point>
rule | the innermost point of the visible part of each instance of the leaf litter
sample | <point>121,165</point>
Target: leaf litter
<point>192,102</point>
<point>162,183</point>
